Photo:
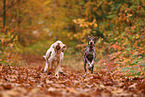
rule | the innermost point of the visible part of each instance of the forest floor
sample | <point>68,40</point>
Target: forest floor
<point>29,80</point>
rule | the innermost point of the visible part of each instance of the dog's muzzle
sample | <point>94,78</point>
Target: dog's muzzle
<point>58,47</point>
<point>91,43</point>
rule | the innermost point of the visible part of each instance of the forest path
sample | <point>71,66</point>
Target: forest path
<point>29,80</point>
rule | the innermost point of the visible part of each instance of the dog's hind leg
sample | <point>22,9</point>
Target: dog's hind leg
<point>48,54</point>
<point>46,66</point>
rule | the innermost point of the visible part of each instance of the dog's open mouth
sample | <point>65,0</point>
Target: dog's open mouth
<point>91,44</point>
<point>58,47</point>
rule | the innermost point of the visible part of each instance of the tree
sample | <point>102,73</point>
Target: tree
<point>4,13</point>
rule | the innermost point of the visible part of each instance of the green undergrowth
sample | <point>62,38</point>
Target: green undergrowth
<point>38,48</point>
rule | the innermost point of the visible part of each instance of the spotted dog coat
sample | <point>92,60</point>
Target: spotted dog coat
<point>90,54</point>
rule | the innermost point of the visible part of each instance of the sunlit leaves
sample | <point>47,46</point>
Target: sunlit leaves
<point>87,28</point>
<point>8,55</point>
<point>85,24</point>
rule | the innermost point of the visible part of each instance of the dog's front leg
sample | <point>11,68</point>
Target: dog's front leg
<point>57,69</point>
<point>51,63</point>
<point>92,63</point>
<point>85,67</point>
<point>92,69</point>
<point>60,70</point>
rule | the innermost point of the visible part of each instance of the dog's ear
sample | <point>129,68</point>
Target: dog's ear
<point>89,37</point>
<point>64,47</point>
<point>53,45</point>
<point>95,38</point>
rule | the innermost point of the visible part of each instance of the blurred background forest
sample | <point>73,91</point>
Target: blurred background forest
<point>31,26</point>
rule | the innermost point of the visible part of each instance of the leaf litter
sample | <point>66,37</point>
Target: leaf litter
<point>30,80</point>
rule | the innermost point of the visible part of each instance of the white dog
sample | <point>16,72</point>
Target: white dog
<point>55,55</point>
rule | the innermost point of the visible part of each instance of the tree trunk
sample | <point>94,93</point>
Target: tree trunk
<point>18,20</point>
<point>4,13</point>
<point>18,16</point>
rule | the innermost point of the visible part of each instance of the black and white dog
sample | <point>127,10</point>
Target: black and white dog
<point>90,54</point>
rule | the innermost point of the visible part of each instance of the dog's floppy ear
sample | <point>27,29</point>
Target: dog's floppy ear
<point>64,47</point>
<point>54,45</point>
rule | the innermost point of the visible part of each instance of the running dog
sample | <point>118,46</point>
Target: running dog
<point>55,55</point>
<point>90,54</point>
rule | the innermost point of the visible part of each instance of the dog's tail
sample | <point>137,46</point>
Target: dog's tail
<point>44,57</point>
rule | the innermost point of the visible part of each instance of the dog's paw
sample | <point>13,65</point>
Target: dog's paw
<point>45,70</point>
<point>57,76</point>
<point>85,74</point>
<point>44,57</point>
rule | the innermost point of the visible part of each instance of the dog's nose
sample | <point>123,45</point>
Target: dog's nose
<point>58,47</point>
<point>91,43</point>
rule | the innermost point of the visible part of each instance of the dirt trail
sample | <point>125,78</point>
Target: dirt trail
<point>30,80</point>
<point>33,59</point>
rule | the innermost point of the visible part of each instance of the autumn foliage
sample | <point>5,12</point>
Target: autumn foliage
<point>29,27</point>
